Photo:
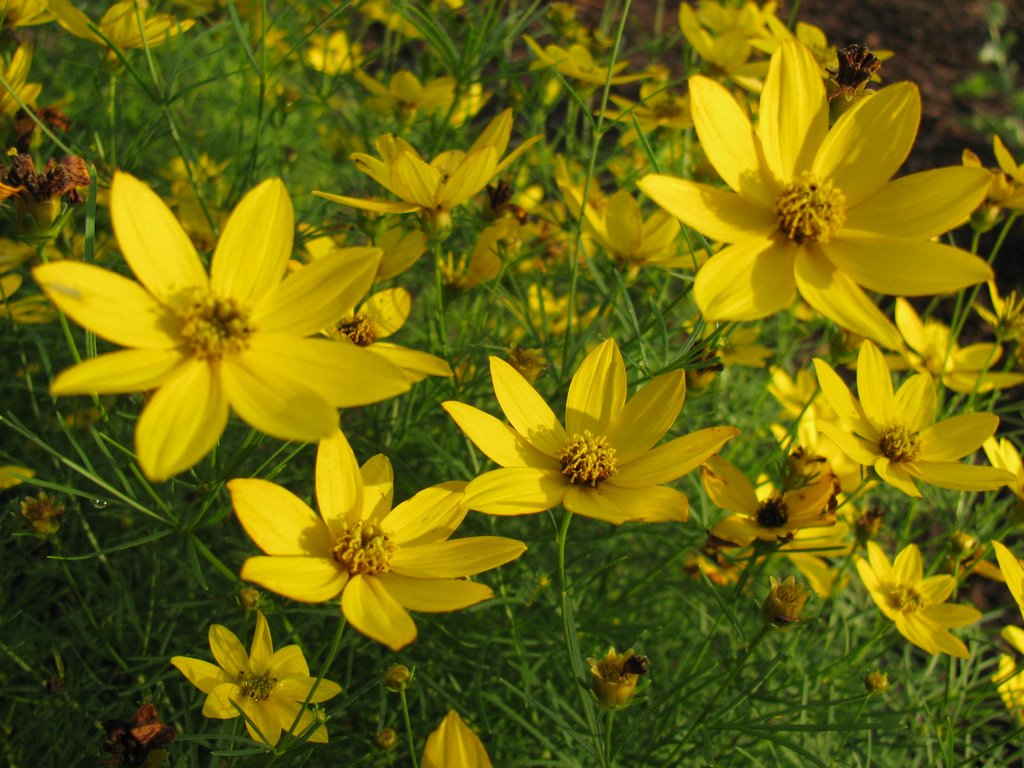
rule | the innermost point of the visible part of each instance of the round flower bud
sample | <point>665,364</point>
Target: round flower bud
<point>398,678</point>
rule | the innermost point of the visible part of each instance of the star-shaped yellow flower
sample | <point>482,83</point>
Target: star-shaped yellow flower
<point>233,338</point>
<point>894,433</point>
<point>812,208</point>
<point>381,561</point>
<point>602,463</point>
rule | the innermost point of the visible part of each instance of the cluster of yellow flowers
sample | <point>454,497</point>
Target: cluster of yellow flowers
<point>810,220</point>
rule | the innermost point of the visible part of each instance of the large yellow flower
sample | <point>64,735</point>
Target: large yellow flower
<point>269,687</point>
<point>812,208</point>
<point>602,463</point>
<point>893,432</point>
<point>915,603</point>
<point>380,560</point>
<point>206,342</point>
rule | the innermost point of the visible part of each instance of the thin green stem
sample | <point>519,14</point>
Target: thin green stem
<point>408,730</point>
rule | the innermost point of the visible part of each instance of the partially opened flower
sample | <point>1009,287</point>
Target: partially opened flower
<point>812,208</point>
<point>231,339</point>
<point>381,561</point>
<point>894,433</point>
<point>125,24</point>
<point>915,603</point>
<point>603,463</point>
<point>454,744</point>
<point>722,35</point>
<point>406,95</point>
<point>268,687</point>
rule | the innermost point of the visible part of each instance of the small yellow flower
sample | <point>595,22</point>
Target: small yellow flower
<point>125,25</point>
<point>333,54</point>
<point>894,433</point>
<point>915,603</point>
<point>577,63</point>
<point>657,107</point>
<point>406,95</point>
<point>602,463</point>
<point>723,36</point>
<point>454,745</point>
<point>268,687</point>
<point>381,561</point>
<point>17,90</point>
<point>235,338</point>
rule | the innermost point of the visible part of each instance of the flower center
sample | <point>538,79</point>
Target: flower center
<point>588,459</point>
<point>256,687</point>
<point>364,549</point>
<point>905,599</point>
<point>809,209</point>
<point>214,327</point>
<point>359,328</point>
<point>898,443</point>
<point>772,512</point>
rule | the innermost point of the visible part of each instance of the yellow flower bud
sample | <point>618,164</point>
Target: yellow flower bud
<point>615,677</point>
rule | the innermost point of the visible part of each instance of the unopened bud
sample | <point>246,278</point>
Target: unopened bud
<point>397,678</point>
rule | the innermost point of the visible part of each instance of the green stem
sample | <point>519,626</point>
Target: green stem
<point>408,730</point>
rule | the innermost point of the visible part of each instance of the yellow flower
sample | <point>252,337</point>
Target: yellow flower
<point>894,432</point>
<point>812,210</point>
<point>405,93</point>
<point>915,603</point>
<point>1003,454</point>
<point>17,90</point>
<point>28,309</point>
<point>25,13</point>
<point>381,561</point>
<point>125,25</point>
<point>454,744</point>
<point>765,513</point>
<point>933,351</point>
<point>723,36</point>
<point>785,602</point>
<point>434,189</point>
<point>1013,571</point>
<point>9,472</point>
<point>615,677</point>
<point>657,108</point>
<point>233,338</point>
<point>268,687</point>
<point>333,54</point>
<point>602,463</point>
<point>577,63</point>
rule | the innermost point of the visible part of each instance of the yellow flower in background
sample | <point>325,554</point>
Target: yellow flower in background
<point>8,472</point>
<point>812,209</point>
<point>933,351</point>
<point>28,309</point>
<point>25,13</point>
<point>234,338</point>
<point>1003,454</point>
<point>405,94</point>
<point>723,35</point>
<point>765,513</point>
<point>894,433</point>
<point>915,603</point>
<point>333,54</point>
<point>1013,571</point>
<point>657,107</point>
<point>269,687</point>
<point>18,91</point>
<point>125,25</point>
<point>454,744</point>
<point>1009,677</point>
<point>614,678</point>
<point>433,190</point>
<point>603,463</point>
<point>381,561</point>
<point>577,63</point>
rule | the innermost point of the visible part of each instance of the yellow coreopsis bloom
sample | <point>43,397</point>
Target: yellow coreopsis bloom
<point>405,93</point>
<point>25,13</point>
<point>234,338</point>
<point>812,209</point>
<point>723,36</point>
<point>602,463</point>
<point>381,561</point>
<point>333,54</point>
<point>916,604</point>
<point>18,91</point>
<point>577,63</point>
<point>894,433</point>
<point>933,351</point>
<point>269,687</point>
<point>125,25</point>
<point>454,744</point>
<point>1004,454</point>
<point>434,189</point>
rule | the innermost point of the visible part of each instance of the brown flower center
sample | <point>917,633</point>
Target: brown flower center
<point>256,687</point>
<point>905,599</point>
<point>772,512</point>
<point>214,327</point>
<point>359,328</point>
<point>364,549</point>
<point>588,459</point>
<point>898,443</point>
<point>810,209</point>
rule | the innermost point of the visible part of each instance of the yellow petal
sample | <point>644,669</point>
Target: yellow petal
<point>952,615</point>
<point>960,477</point>
<point>498,441</point>
<point>526,410</point>
<point>936,589</point>
<point>434,595</point>
<point>857,448</point>
<point>955,437</point>
<point>339,485</point>
<point>907,568</point>
<point>377,206</point>
<point>111,306</point>
<point>897,475</point>
<point>793,118</point>
<point>841,400</point>
<point>921,205</point>
<point>455,559</point>
<point>182,422</point>
<point>416,181</point>
<point>130,370</point>
<point>218,704</point>
<point>431,515</point>
<point>307,579</point>
<point>227,649</point>
<point>747,281</point>
<point>378,487</point>
<point>454,744</point>
<point>839,298</point>
<point>277,520</point>
<point>1013,571</point>
<point>902,266</point>
<point>297,689</point>
<point>388,309</point>
<point>729,141</point>
<point>717,214</point>
<point>597,391</point>
<point>289,662</point>
<point>516,491</point>
<point>728,487</point>
<point>869,143</point>
<point>471,176</point>
<point>415,364</point>
<point>647,416</point>
<point>915,402</point>
<point>657,504</point>
<point>202,674</point>
<point>929,636</point>
<point>372,610</point>
<point>153,242</point>
<point>673,459</point>
<point>255,244</point>
<point>874,386</point>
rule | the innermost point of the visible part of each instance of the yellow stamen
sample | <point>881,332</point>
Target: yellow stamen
<point>588,459</point>
<point>214,327</point>
<point>905,599</point>
<point>810,209</point>
<point>359,328</point>
<point>256,687</point>
<point>364,549</point>
<point>898,443</point>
